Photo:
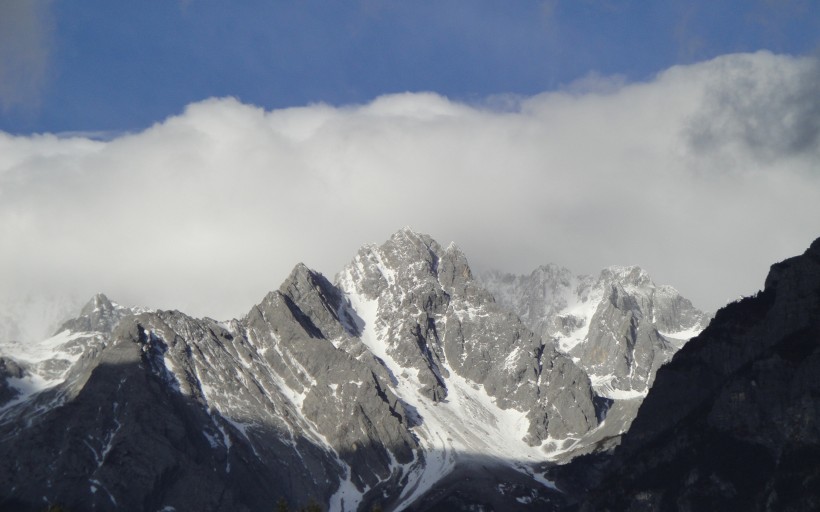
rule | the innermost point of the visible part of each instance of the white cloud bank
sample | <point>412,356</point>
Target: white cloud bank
<point>704,176</point>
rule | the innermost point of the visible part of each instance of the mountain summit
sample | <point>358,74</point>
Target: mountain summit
<point>619,326</point>
<point>401,384</point>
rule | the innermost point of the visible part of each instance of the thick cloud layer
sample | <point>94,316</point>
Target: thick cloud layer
<point>704,176</point>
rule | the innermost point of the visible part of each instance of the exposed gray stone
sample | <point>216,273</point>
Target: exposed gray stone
<point>9,369</point>
<point>437,318</point>
<point>98,315</point>
<point>619,327</point>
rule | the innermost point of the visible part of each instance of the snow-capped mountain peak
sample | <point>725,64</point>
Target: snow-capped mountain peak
<point>619,326</point>
<point>373,389</point>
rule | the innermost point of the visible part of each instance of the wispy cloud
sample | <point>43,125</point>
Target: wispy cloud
<point>777,17</point>
<point>25,47</point>
<point>759,105</point>
<point>689,43</point>
<point>209,210</point>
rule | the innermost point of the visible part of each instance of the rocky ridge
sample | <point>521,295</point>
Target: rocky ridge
<point>367,391</point>
<point>619,326</point>
<point>403,384</point>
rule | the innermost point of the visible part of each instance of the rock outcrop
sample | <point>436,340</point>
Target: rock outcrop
<point>620,327</point>
<point>9,369</point>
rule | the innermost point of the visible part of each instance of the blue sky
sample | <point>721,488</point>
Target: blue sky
<point>98,65</point>
<point>187,154</point>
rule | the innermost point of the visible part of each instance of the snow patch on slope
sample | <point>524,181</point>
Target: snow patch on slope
<point>55,347</point>
<point>46,363</point>
<point>583,309</point>
<point>602,384</point>
<point>468,422</point>
<point>685,334</point>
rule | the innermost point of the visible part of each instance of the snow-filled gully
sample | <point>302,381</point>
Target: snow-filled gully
<point>468,422</point>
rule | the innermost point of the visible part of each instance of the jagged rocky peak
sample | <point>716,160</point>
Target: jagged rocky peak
<point>362,391</point>
<point>454,271</point>
<point>395,288</point>
<point>408,259</point>
<point>673,315</point>
<point>98,302</point>
<point>630,275</point>
<point>229,415</point>
<point>422,311</point>
<point>98,315</point>
<point>409,247</point>
<point>315,302</point>
<point>619,326</point>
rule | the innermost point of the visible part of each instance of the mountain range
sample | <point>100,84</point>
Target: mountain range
<point>406,383</point>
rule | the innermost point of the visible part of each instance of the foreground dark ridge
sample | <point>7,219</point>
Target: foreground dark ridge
<point>733,421</point>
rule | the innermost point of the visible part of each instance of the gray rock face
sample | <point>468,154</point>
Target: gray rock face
<point>619,327</point>
<point>9,369</point>
<point>431,316</point>
<point>733,421</point>
<point>362,392</point>
<point>171,411</point>
<point>98,315</point>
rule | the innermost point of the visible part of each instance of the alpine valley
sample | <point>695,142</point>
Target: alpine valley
<point>406,383</point>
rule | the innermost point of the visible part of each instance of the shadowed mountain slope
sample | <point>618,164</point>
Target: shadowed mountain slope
<point>733,421</point>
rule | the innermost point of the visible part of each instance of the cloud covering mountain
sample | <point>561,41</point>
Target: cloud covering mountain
<point>206,210</point>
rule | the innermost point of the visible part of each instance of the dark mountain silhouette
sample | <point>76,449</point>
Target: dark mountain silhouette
<point>733,421</point>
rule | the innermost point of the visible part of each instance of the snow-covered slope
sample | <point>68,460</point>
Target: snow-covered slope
<point>396,384</point>
<point>41,366</point>
<point>478,380</point>
<point>377,389</point>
